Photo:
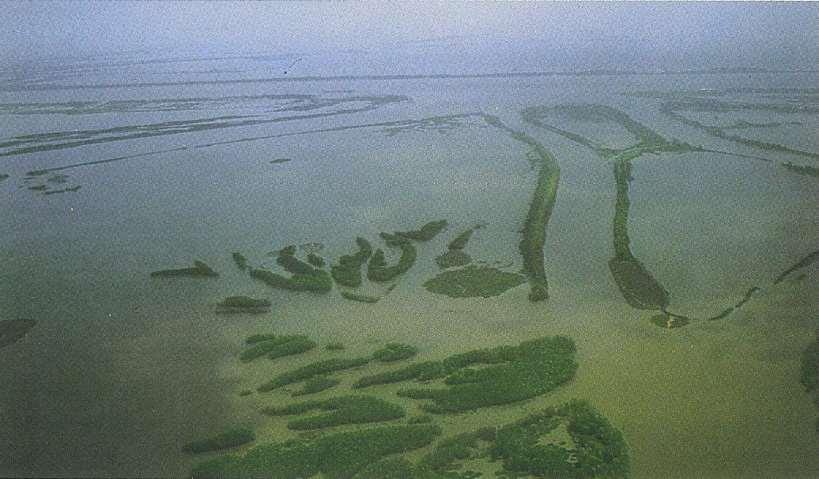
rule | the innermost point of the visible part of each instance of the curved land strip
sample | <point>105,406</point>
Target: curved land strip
<point>674,103</point>
<point>58,140</point>
<point>338,411</point>
<point>540,210</point>
<point>305,277</point>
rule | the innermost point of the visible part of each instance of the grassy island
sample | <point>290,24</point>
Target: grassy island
<point>510,374</point>
<point>243,304</point>
<point>348,270</point>
<point>277,346</point>
<point>305,277</point>
<point>316,385</point>
<point>336,456</point>
<point>473,281</point>
<point>240,260</point>
<point>312,370</point>
<point>597,449</point>
<point>199,270</point>
<point>395,352</point>
<point>378,270</point>
<point>338,411</point>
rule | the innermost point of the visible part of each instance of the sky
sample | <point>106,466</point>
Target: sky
<point>423,36</point>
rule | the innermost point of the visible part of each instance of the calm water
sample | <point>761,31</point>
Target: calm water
<point>122,369</point>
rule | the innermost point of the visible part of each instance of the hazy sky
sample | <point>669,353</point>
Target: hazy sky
<point>500,35</point>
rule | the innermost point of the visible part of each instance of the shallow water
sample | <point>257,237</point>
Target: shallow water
<point>122,369</point>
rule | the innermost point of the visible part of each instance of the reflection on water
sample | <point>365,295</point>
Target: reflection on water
<point>424,276</point>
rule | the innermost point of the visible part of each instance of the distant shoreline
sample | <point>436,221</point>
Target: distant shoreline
<point>434,76</point>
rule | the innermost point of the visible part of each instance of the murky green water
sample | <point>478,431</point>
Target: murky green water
<point>122,369</point>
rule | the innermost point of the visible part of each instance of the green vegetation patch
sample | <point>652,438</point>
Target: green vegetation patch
<point>230,438</point>
<point>425,233</point>
<point>316,385</point>
<point>336,456</point>
<point>448,452</point>
<point>277,346</point>
<point>473,281</point>
<point>199,270</point>
<point>243,304</point>
<point>280,160</point>
<point>454,255</point>
<point>3,176</point>
<point>311,370</point>
<point>348,270</point>
<point>13,330</point>
<point>395,352</point>
<point>339,411</point>
<point>240,260</point>
<point>378,270</point>
<point>305,277</point>
<point>315,260</point>
<point>598,449</point>
<point>809,371</point>
<point>361,298</point>
<point>336,346</point>
<point>319,282</point>
<point>511,373</point>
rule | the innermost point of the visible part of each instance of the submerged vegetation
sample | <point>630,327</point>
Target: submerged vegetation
<point>199,270</point>
<point>13,330</point>
<point>473,281</point>
<point>338,411</point>
<point>230,438</point>
<point>802,263</point>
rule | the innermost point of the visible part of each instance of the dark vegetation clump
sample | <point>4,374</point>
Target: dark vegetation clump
<point>335,456</point>
<point>304,277</point>
<point>599,449</point>
<point>395,352</point>
<point>425,233</point>
<point>361,298</point>
<point>13,330</point>
<point>809,372</point>
<point>419,371</point>
<point>511,373</point>
<point>338,411</point>
<point>199,269</point>
<point>378,270</point>
<point>230,438</point>
<point>240,260</point>
<point>473,281</point>
<point>311,370</point>
<point>319,282</point>
<point>335,346</point>
<point>668,321</point>
<point>348,270</point>
<point>315,260</point>
<point>316,385</point>
<point>3,176</point>
<point>277,346</point>
<point>455,255</point>
<point>243,304</point>
<point>70,189</point>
